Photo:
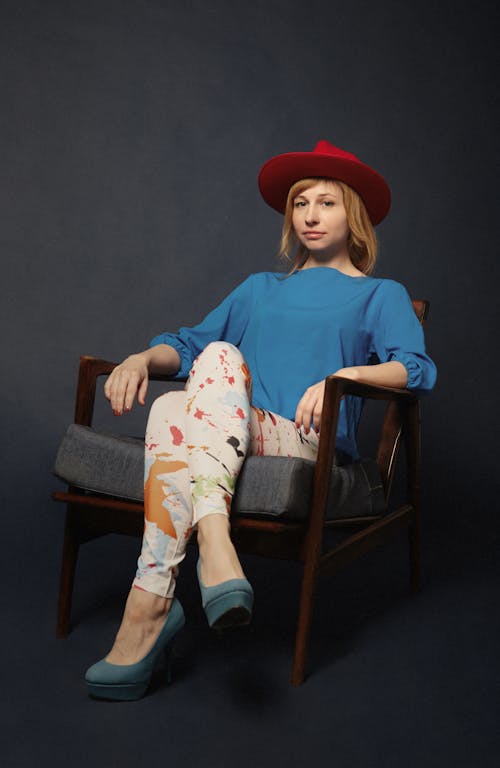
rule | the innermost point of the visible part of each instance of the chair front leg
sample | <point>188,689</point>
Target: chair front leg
<point>314,537</point>
<point>304,620</point>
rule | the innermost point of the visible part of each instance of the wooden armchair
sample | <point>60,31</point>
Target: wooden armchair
<point>91,514</point>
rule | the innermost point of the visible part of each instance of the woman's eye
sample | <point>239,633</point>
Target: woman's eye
<point>328,203</point>
<point>299,204</point>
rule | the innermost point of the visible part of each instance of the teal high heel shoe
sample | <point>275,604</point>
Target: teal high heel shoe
<point>128,682</point>
<point>228,604</point>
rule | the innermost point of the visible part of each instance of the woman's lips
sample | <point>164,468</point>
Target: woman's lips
<point>313,235</point>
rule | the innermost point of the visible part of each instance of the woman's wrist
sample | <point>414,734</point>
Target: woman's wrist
<point>349,373</point>
<point>162,359</point>
<point>391,374</point>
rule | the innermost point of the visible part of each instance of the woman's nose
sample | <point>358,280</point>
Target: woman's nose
<point>311,215</point>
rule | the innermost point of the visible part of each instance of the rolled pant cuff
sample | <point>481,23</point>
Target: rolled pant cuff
<point>163,586</point>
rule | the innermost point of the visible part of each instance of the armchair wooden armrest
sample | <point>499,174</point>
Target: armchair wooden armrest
<point>372,392</point>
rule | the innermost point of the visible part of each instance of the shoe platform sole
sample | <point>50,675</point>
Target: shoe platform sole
<point>235,617</point>
<point>117,692</point>
<point>234,609</point>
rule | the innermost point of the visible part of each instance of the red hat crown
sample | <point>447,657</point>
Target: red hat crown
<point>325,148</point>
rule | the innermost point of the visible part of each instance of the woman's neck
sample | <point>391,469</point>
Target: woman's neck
<point>340,262</point>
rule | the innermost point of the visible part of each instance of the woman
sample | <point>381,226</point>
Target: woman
<point>256,368</point>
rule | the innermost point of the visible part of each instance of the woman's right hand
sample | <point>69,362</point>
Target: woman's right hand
<point>127,380</point>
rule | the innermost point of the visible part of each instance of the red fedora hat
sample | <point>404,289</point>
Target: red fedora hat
<point>325,161</point>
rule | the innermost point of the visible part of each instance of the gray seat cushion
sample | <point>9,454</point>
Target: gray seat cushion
<point>269,486</point>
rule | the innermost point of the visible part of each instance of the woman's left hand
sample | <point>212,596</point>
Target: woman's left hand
<point>310,407</point>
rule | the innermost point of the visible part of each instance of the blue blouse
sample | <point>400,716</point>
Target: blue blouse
<point>294,330</point>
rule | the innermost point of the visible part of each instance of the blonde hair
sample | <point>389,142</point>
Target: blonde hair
<point>361,242</point>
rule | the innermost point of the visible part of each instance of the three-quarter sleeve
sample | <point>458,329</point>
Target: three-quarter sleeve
<point>227,322</point>
<point>398,335</point>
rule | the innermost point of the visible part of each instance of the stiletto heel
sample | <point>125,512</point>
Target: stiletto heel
<point>228,604</point>
<point>128,682</point>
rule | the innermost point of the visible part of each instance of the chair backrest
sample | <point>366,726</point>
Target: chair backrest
<point>392,427</point>
<point>421,307</point>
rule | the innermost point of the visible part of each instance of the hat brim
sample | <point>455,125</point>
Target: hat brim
<point>278,174</point>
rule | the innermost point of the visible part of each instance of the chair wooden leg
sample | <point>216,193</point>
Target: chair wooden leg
<point>71,548</point>
<point>414,545</point>
<point>303,627</point>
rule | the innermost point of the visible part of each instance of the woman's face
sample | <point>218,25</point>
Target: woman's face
<point>319,220</point>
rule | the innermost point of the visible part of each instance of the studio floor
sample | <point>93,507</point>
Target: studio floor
<point>393,680</point>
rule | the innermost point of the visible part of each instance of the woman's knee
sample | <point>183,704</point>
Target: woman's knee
<point>219,350</point>
<point>222,365</point>
<point>219,360</point>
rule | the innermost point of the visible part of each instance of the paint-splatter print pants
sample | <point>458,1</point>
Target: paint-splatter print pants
<point>196,442</point>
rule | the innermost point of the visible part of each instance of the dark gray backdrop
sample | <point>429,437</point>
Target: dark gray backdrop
<point>131,137</point>
<point>132,134</point>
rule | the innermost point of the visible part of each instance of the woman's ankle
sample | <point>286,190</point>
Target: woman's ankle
<point>214,529</point>
<point>218,557</point>
<point>146,606</point>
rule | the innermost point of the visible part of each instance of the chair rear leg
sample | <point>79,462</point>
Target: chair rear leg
<point>71,548</point>
<point>414,546</point>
